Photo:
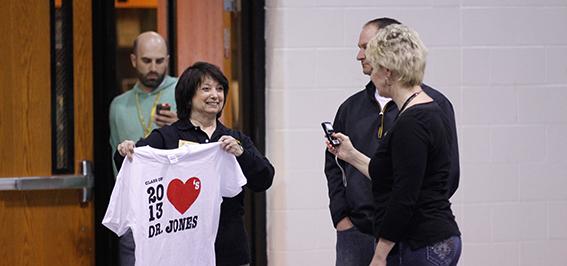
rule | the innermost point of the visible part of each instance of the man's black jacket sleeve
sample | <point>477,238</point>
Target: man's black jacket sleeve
<point>338,203</point>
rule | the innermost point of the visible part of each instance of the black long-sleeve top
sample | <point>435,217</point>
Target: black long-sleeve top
<point>231,245</point>
<point>410,178</point>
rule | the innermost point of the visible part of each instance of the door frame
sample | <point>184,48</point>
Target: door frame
<point>104,83</point>
<point>254,116</point>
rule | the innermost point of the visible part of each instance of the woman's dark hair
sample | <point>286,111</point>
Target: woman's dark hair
<point>190,81</point>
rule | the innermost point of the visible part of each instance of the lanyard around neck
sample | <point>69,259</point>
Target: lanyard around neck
<point>146,127</point>
<point>407,102</point>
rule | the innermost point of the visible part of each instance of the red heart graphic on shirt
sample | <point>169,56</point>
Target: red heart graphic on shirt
<point>183,195</point>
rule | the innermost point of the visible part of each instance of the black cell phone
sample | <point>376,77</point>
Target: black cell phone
<point>162,106</point>
<point>328,129</point>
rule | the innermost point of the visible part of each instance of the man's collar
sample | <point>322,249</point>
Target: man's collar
<point>371,90</point>
<point>370,85</point>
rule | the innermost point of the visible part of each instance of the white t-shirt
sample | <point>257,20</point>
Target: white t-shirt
<point>171,200</point>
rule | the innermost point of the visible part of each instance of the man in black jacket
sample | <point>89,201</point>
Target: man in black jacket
<point>365,117</point>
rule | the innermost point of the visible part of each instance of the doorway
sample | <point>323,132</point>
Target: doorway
<point>115,25</point>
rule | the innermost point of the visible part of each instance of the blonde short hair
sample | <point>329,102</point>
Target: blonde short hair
<point>398,48</point>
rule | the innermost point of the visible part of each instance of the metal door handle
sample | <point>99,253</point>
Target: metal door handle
<point>85,181</point>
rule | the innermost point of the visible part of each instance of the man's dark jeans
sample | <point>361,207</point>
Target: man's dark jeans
<point>126,249</point>
<point>354,248</point>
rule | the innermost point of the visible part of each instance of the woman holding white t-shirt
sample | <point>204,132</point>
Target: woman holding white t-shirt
<point>200,98</point>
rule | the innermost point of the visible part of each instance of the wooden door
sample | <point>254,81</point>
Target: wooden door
<point>204,34</point>
<point>42,227</point>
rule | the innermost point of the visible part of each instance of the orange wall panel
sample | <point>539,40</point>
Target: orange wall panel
<point>136,4</point>
<point>199,32</point>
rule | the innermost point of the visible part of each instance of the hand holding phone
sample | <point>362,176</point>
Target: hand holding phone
<point>328,129</point>
<point>162,106</point>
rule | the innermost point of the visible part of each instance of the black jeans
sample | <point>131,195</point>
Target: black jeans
<point>126,249</point>
<point>354,248</point>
